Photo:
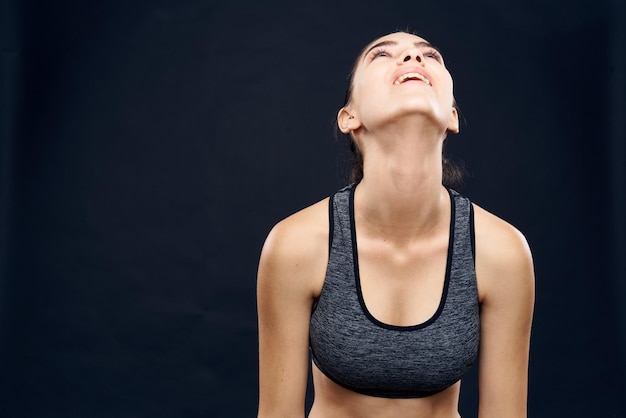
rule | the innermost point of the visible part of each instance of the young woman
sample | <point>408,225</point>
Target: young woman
<point>396,284</point>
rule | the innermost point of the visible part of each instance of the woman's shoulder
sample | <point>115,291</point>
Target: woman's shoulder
<point>297,246</point>
<point>303,228</point>
<point>497,232</point>
<point>503,256</point>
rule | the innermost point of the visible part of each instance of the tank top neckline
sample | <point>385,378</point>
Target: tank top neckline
<point>357,276</point>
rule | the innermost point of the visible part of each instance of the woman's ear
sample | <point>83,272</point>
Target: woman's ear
<point>453,123</point>
<point>347,121</point>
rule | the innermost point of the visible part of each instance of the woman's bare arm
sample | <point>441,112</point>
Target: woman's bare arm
<point>290,276</point>
<point>505,275</point>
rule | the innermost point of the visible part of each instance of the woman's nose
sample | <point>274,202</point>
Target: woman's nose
<point>411,54</point>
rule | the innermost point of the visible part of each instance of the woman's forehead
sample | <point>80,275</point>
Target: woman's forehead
<point>400,35</point>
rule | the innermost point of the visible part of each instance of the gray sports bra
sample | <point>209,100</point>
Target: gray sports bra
<point>367,356</point>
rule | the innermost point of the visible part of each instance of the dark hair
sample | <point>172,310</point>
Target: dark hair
<point>453,173</point>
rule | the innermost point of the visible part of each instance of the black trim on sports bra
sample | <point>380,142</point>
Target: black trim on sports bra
<point>472,231</point>
<point>331,222</point>
<point>444,293</point>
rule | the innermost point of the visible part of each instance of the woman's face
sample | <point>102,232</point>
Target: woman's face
<point>398,75</point>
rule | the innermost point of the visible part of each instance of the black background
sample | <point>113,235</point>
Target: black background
<point>148,147</point>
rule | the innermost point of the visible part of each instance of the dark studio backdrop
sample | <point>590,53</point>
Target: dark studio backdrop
<point>148,147</point>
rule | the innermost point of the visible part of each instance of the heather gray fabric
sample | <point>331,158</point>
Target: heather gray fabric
<point>367,356</point>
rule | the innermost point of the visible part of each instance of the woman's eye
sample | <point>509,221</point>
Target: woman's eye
<point>433,54</point>
<point>380,53</point>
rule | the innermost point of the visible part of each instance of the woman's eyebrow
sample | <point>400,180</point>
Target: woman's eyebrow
<point>420,44</point>
<point>424,44</point>
<point>378,45</point>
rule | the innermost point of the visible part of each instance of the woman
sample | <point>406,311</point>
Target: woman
<point>396,283</point>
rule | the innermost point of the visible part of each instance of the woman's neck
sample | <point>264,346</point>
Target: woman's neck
<point>401,194</point>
